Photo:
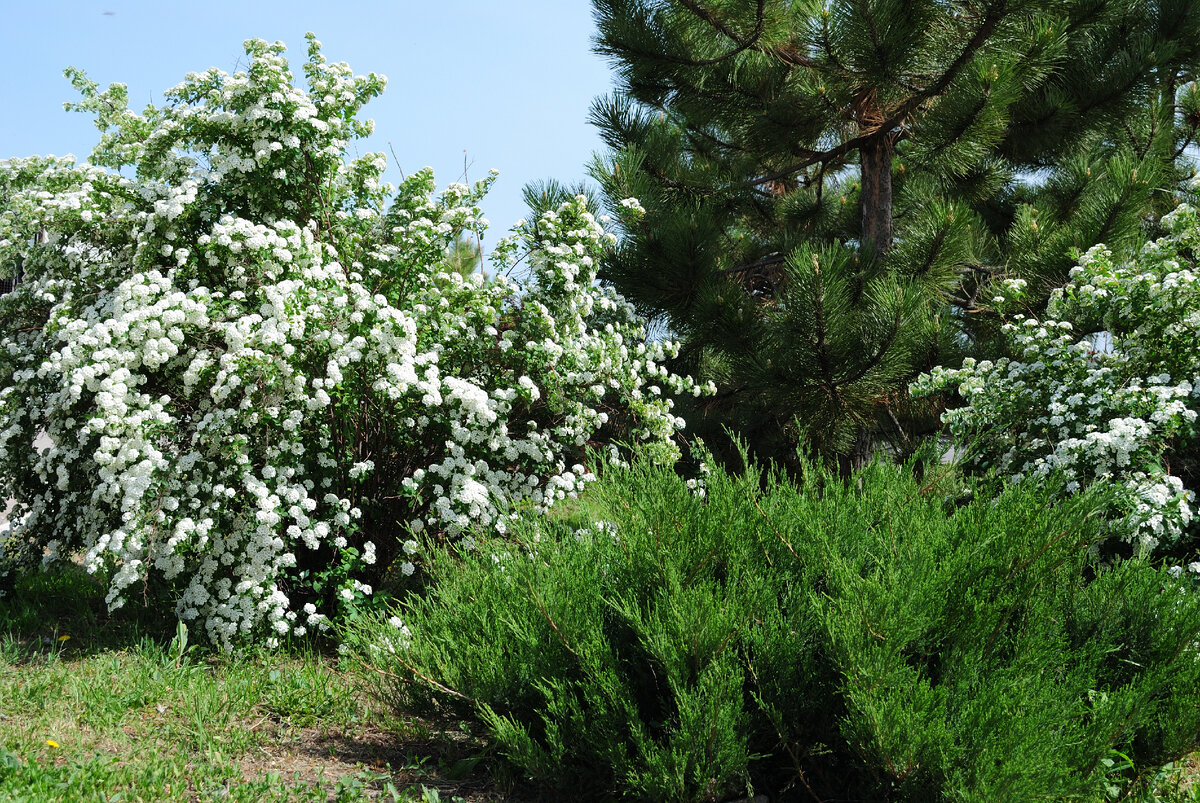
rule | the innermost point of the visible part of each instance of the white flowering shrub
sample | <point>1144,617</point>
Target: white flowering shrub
<point>257,378</point>
<point>1104,388</point>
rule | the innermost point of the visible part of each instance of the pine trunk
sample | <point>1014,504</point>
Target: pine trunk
<point>875,161</point>
<point>859,455</point>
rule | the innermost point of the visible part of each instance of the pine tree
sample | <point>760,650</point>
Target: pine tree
<point>465,256</point>
<point>830,185</point>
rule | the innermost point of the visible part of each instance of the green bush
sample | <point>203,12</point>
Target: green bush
<point>861,641</point>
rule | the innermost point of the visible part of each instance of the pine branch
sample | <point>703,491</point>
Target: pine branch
<point>830,384</point>
<point>697,132</point>
<point>1110,219</point>
<point>876,42</point>
<point>970,301</point>
<point>897,118</point>
<point>939,240</point>
<point>775,258</point>
<point>1186,142</point>
<point>827,47</point>
<point>959,131</point>
<point>713,20</point>
<point>877,358</point>
<point>798,99</point>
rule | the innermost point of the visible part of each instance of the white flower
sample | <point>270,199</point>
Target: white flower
<point>214,407</point>
<point>1097,407</point>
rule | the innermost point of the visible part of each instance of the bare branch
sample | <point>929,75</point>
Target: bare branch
<point>766,262</point>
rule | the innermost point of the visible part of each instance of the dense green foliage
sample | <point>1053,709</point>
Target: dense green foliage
<point>831,185</point>
<point>866,641</point>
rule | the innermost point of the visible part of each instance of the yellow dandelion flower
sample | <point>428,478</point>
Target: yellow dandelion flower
<point>61,639</point>
<point>52,743</point>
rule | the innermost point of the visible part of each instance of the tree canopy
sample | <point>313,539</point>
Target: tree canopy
<point>830,186</point>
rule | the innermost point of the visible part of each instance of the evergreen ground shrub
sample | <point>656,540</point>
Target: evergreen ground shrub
<point>871,640</point>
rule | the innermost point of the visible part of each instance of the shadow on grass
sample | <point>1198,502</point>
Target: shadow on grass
<point>63,610</point>
<point>119,682</point>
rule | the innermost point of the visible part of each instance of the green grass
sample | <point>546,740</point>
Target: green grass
<point>121,707</point>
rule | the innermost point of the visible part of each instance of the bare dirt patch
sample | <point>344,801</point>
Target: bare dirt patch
<point>318,756</point>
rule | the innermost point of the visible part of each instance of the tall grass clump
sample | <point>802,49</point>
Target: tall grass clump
<point>871,640</point>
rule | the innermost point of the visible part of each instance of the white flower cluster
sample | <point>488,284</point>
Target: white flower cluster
<point>257,375</point>
<point>1105,404</point>
<point>633,205</point>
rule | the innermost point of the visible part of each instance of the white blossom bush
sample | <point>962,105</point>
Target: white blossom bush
<point>257,376</point>
<point>1105,387</point>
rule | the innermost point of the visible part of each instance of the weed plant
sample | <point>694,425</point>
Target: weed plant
<point>883,639</point>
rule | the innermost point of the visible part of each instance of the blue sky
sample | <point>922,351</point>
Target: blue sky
<point>508,81</point>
